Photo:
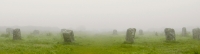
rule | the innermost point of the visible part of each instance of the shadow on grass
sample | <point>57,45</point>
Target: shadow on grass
<point>69,43</point>
<point>171,41</point>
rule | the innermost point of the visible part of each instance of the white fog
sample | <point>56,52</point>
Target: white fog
<point>101,14</point>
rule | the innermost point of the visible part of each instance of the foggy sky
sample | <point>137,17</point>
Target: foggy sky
<point>100,14</point>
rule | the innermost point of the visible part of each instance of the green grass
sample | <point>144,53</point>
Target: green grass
<point>99,44</point>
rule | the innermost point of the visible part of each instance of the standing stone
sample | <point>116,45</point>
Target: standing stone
<point>170,34</point>
<point>114,32</point>
<point>68,35</point>
<point>62,30</point>
<point>9,31</point>
<point>72,35</point>
<point>16,34</point>
<point>174,34</point>
<point>156,34</point>
<point>36,32</point>
<point>130,35</point>
<point>196,33</point>
<point>184,31</point>
<point>140,32</point>
<point>49,34</point>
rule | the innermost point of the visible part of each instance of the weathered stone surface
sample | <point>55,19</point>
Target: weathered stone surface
<point>16,34</point>
<point>62,30</point>
<point>184,31</point>
<point>114,32</point>
<point>72,33</point>
<point>170,34</point>
<point>140,32</point>
<point>130,35</point>
<point>68,35</point>
<point>196,33</point>
<point>9,31</point>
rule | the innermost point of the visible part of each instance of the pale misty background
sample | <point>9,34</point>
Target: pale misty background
<point>149,15</point>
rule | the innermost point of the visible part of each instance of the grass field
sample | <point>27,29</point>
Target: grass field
<point>99,44</point>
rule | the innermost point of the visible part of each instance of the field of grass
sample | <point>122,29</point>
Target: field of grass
<point>99,44</point>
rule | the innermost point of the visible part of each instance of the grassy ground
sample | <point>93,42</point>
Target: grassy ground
<point>99,44</point>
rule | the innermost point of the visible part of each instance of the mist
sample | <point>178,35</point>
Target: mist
<point>101,14</point>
